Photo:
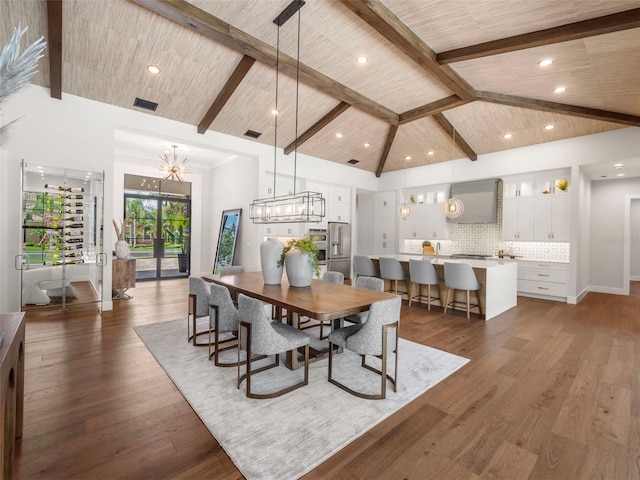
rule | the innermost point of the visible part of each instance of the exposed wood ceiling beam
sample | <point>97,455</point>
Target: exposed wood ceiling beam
<point>197,20</point>
<point>315,128</point>
<point>387,148</point>
<point>545,106</point>
<point>432,108</point>
<point>572,31</point>
<point>382,20</point>
<point>461,142</point>
<point>223,97</point>
<point>54,45</point>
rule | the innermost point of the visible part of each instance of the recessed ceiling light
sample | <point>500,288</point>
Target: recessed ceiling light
<point>408,157</point>
<point>362,59</point>
<point>430,152</point>
<point>551,126</point>
<point>507,136</point>
<point>559,89</point>
<point>621,175</point>
<point>367,144</point>
<point>545,63</point>
<point>154,69</point>
<point>618,165</point>
<point>274,111</point>
<point>338,135</point>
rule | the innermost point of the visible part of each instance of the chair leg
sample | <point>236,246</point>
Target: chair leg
<point>446,300</point>
<point>428,297</point>
<point>411,293</point>
<point>468,305</point>
<point>479,302</point>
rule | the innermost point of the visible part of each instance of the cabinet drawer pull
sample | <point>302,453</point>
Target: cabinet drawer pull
<point>543,275</point>
<point>543,288</point>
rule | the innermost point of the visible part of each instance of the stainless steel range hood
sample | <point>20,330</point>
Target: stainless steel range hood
<point>480,199</point>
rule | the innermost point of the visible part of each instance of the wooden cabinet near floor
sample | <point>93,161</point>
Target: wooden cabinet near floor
<point>12,388</point>
<point>123,274</point>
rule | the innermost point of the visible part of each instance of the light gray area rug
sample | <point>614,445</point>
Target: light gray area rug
<point>286,437</point>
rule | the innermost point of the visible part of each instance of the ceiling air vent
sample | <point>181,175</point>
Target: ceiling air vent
<point>252,134</point>
<point>353,161</point>
<point>146,104</point>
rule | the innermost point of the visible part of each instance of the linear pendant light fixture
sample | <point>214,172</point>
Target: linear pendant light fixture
<point>297,207</point>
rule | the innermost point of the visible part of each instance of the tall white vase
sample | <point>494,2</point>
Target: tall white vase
<point>270,252</point>
<point>122,249</point>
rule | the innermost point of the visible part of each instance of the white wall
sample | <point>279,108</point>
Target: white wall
<point>229,195</point>
<point>607,233</point>
<point>581,246</point>
<point>634,244</point>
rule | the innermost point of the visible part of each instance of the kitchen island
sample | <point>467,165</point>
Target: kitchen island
<point>499,280</point>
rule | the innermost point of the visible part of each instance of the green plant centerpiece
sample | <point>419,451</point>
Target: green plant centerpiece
<point>300,259</point>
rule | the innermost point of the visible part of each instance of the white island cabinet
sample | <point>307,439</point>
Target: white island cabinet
<point>499,280</point>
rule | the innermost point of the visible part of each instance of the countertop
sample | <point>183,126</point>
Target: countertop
<point>489,263</point>
<point>448,257</point>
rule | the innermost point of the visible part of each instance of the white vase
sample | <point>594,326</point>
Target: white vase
<point>270,252</point>
<point>122,249</point>
<point>299,268</point>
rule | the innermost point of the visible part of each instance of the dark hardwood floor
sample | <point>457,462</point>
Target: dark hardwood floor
<point>552,391</point>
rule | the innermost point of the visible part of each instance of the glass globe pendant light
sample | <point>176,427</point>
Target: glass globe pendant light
<point>454,206</point>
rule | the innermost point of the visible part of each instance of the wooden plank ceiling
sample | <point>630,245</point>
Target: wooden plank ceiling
<point>434,66</point>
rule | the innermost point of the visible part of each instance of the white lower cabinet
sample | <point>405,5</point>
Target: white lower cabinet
<point>543,280</point>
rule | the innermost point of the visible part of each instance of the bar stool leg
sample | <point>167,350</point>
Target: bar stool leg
<point>468,305</point>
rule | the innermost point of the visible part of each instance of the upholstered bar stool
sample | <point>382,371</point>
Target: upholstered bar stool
<point>363,267</point>
<point>422,272</point>
<point>460,276</point>
<point>391,269</point>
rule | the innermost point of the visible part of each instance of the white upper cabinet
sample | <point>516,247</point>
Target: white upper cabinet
<point>552,217</point>
<point>436,227</point>
<point>338,204</point>
<point>518,218</point>
<point>385,223</point>
<point>427,220</point>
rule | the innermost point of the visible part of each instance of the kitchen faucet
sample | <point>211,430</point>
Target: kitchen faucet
<point>437,251</point>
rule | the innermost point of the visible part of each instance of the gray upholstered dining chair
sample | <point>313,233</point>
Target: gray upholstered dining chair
<point>377,336</point>
<point>364,266</point>
<point>391,269</point>
<point>370,283</point>
<point>258,335</point>
<point>198,309</point>
<point>460,276</point>
<point>231,269</point>
<point>422,272</point>
<point>224,318</point>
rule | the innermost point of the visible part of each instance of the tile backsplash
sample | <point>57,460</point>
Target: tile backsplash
<point>486,239</point>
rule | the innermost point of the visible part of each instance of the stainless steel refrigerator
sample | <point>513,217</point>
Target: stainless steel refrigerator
<point>339,248</point>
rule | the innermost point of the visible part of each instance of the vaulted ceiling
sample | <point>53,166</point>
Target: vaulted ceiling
<point>436,70</point>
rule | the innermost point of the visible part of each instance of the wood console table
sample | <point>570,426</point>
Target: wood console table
<point>12,383</point>
<point>123,276</point>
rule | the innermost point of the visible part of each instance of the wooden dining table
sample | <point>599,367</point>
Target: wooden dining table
<point>323,301</point>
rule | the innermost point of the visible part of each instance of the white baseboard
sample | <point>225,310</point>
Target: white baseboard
<point>613,291</point>
<point>634,278</point>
